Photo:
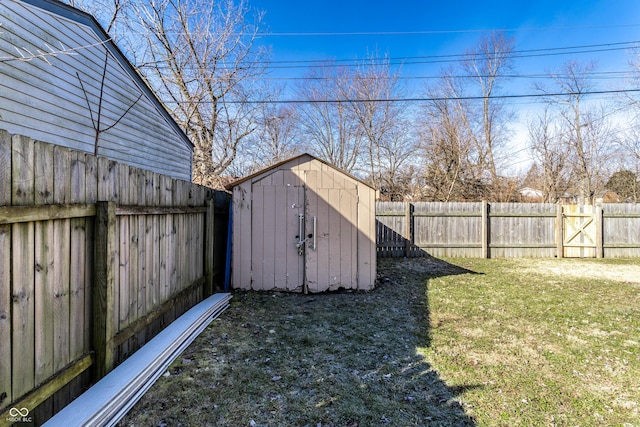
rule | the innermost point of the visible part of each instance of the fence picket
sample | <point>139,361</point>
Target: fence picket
<point>141,268</point>
<point>44,261</point>
<point>78,341</point>
<point>165,224</point>
<point>61,267</point>
<point>60,301</point>
<point>5,273</point>
<point>472,229</point>
<point>5,314</point>
<point>22,269</point>
<point>123,301</point>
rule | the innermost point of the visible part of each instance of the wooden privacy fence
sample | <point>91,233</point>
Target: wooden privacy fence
<point>96,258</point>
<point>482,229</point>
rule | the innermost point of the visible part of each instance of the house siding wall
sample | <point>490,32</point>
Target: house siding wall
<point>42,98</point>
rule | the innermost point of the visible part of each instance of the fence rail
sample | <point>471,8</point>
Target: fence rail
<point>96,258</point>
<point>481,229</point>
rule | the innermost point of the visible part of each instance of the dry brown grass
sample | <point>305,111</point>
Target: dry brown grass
<point>340,359</point>
<point>443,343</point>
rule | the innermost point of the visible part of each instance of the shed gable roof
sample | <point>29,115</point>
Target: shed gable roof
<point>278,165</point>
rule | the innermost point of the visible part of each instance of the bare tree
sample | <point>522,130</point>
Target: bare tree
<point>396,172</point>
<point>110,13</point>
<point>629,154</point>
<point>453,165</point>
<point>386,146</point>
<point>586,129</point>
<point>486,66</point>
<point>277,135</point>
<point>551,154</point>
<point>200,58</point>
<point>464,139</point>
<point>327,121</point>
<point>97,116</point>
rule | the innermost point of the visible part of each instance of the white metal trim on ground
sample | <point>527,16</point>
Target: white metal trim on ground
<point>112,397</point>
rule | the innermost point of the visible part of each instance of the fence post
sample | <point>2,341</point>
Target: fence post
<point>599,231</point>
<point>103,300</point>
<point>484,227</point>
<point>559,232</point>
<point>209,248</point>
<point>408,232</point>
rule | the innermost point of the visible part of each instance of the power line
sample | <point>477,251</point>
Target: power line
<point>302,34</point>
<point>419,99</point>
<point>459,56</point>
<point>421,60</point>
<point>429,60</point>
<point>433,32</point>
<point>602,75</point>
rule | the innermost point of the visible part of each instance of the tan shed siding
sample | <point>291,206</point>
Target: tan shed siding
<point>323,250</point>
<point>312,205</point>
<point>279,245</point>
<point>262,256</point>
<point>366,239</point>
<point>264,252</point>
<point>242,236</point>
<point>44,100</point>
<point>275,260</point>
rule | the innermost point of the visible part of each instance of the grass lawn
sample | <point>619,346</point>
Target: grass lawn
<point>440,342</point>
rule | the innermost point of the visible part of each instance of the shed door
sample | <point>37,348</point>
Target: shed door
<point>331,217</point>
<point>278,203</point>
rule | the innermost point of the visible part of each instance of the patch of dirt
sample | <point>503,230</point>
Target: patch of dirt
<point>587,269</point>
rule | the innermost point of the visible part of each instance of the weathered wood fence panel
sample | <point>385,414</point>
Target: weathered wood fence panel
<point>621,230</point>
<point>391,229</point>
<point>96,258</point>
<point>448,229</point>
<point>481,229</point>
<point>522,230</point>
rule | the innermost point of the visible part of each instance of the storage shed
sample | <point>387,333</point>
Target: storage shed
<point>303,225</point>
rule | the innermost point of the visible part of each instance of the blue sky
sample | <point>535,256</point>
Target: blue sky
<point>456,26</point>
<point>313,30</point>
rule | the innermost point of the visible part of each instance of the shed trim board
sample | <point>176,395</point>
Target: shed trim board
<point>303,225</point>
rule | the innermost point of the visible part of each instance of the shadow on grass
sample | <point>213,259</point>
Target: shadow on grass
<point>339,359</point>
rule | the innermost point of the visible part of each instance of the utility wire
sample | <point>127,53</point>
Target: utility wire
<point>420,99</point>
<point>461,56</point>
<point>435,32</point>
<point>457,58</point>
<point>595,75</point>
<point>421,60</point>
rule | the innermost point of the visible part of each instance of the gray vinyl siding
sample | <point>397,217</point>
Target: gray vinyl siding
<point>43,99</point>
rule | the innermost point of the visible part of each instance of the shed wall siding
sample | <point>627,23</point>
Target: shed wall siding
<point>241,239</point>
<point>43,98</point>
<point>366,239</point>
<point>345,235</point>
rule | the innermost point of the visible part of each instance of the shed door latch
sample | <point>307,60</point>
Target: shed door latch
<point>301,240</point>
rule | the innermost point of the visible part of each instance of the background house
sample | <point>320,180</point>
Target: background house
<point>52,62</point>
<point>529,194</point>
